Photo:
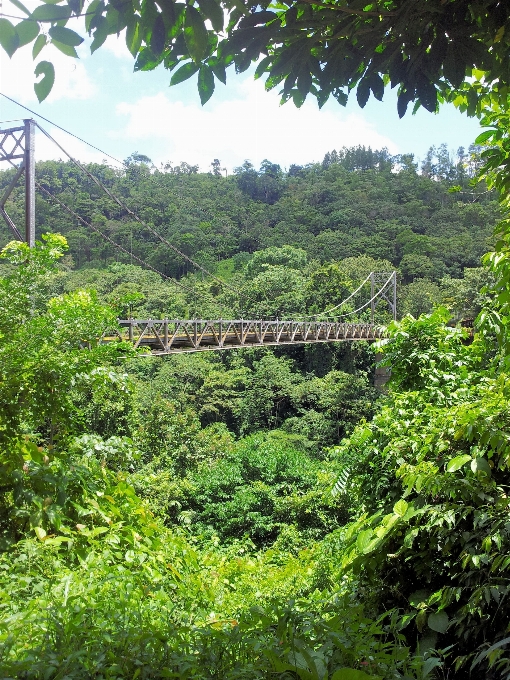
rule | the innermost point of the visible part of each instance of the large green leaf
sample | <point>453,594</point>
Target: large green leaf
<point>9,39</point>
<point>51,13</point>
<point>27,32</point>
<point>456,463</point>
<point>481,465</point>
<point>454,67</point>
<point>100,34</point>
<point>68,50</point>
<point>205,83</point>
<point>184,73</point>
<point>482,138</point>
<point>43,88</point>
<point>363,92</point>
<point>400,507</point>
<point>363,540</point>
<point>133,37</point>
<point>438,622</point>
<point>195,34</point>
<point>65,36</point>
<point>158,36</point>
<point>218,69</point>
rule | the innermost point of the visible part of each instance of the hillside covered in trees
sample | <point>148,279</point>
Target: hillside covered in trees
<point>264,512</point>
<point>431,223</point>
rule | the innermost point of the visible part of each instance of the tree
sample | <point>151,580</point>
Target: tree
<point>216,167</point>
<point>432,50</point>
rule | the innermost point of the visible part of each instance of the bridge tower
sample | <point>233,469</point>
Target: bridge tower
<point>17,143</point>
<point>384,283</point>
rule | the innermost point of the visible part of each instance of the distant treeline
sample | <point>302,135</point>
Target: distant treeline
<point>430,222</point>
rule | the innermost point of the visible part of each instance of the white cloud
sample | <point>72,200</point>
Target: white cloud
<point>251,125</point>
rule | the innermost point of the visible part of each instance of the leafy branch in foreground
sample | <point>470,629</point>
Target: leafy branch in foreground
<point>432,50</point>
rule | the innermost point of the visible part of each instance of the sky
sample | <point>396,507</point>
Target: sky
<point>100,99</point>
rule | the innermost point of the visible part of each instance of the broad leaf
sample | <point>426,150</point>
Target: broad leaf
<point>65,49</point>
<point>133,37</point>
<point>158,36</point>
<point>454,67</point>
<point>218,69</point>
<point>40,533</point>
<point>481,139</point>
<point>363,540</point>
<point>100,34</point>
<point>438,622</point>
<point>51,13</point>
<point>429,665</point>
<point>456,463</point>
<point>377,86</point>
<point>481,465</point>
<point>9,39</point>
<point>205,83</point>
<point>400,508</point>
<point>65,36</point>
<point>195,34</point>
<point>184,73</point>
<point>27,32</point>
<point>43,87</point>
<point>363,92</point>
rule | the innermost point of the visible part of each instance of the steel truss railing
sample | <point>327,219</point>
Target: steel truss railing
<point>167,336</point>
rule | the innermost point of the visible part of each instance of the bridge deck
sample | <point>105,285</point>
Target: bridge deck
<point>168,336</point>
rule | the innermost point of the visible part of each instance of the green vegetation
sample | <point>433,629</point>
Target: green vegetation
<point>432,50</point>
<point>258,513</point>
<point>285,241</point>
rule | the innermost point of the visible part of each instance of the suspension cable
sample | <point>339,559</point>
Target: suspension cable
<point>107,238</point>
<point>134,215</point>
<point>60,128</point>
<point>347,298</point>
<point>374,297</point>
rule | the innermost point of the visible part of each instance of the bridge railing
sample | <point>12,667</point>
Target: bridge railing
<point>164,336</point>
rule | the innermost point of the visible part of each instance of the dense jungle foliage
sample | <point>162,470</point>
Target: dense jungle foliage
<point>258,513</point>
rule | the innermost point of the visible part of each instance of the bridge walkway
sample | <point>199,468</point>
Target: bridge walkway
<point>169,336</point>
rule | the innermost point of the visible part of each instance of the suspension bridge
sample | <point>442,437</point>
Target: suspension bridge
<point>170,336</point>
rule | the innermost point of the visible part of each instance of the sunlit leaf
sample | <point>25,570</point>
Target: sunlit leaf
<point>195,33</point>
<point>205,83</point>
<point>184,72</point>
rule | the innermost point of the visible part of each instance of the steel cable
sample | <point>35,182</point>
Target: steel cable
<point>135,216</point>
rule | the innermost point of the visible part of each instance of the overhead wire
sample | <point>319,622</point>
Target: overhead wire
<point>61,128</point>
<point>104,236</point>
<point>110,240</point>
<point>150,229</point>
<point>122,205</point>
